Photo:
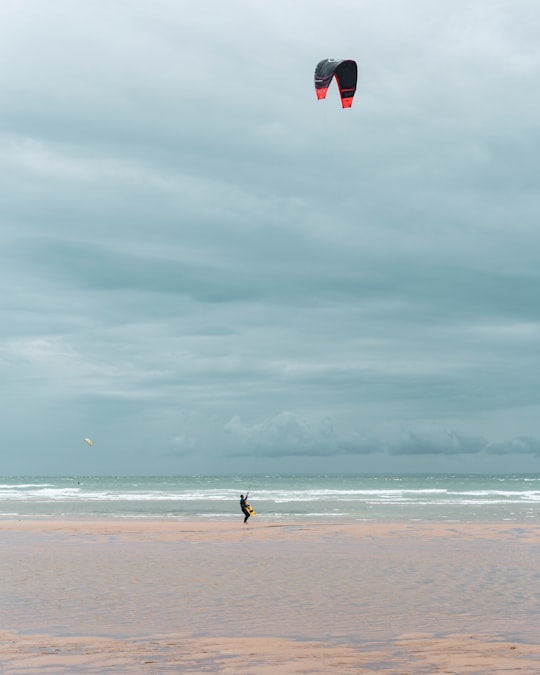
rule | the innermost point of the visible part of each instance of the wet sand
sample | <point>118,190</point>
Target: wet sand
<point>188,597</point>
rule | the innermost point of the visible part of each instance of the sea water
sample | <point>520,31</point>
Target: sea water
<point>376,497</point>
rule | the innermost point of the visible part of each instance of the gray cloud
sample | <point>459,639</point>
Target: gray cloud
<point>438,442</point>
<point>517,446</point>
<point>287,434</point>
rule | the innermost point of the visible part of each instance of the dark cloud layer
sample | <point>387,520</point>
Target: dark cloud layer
<point>289,435</point>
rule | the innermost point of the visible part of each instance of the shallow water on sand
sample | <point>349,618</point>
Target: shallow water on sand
<point>347,584</point>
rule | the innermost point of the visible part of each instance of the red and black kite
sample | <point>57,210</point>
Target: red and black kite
<point>346,73</point>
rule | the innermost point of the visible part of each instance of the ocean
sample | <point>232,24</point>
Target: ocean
<point>376,497</point>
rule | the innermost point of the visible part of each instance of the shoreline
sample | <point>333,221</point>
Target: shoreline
<point>354,528</point>
<point>159,596</point>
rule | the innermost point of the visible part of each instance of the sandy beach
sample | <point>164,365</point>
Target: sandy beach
<point>146,596</point>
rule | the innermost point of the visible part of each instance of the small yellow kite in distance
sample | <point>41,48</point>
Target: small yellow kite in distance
<point>88,441</point>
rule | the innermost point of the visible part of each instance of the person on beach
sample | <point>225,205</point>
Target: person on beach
<point>243,506</point>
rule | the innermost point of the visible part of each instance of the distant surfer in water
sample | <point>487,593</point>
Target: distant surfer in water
<point>244,506</point>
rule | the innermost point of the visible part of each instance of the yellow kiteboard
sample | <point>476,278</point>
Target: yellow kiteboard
<point>250,509</point>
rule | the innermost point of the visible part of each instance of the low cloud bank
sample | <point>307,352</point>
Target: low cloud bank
<point>288,434</point>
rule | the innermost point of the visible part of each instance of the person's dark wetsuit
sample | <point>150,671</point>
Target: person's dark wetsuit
<point>243,506</point>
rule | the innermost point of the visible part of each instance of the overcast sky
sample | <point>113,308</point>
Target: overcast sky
<point>206,270</point>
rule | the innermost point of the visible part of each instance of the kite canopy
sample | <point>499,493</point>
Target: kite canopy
<point>346,73</point>
<point>88,441</point>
